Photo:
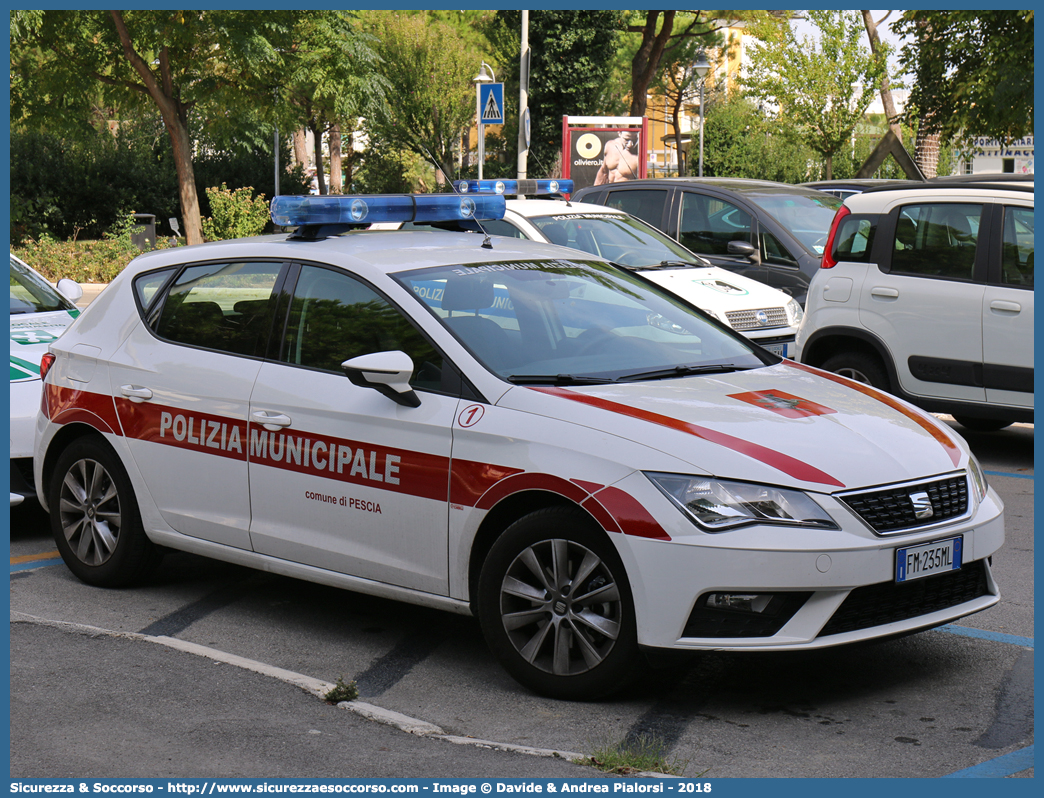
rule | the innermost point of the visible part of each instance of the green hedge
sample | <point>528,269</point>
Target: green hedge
<point>82,261</point>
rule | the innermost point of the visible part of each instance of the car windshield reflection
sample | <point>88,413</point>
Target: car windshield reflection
<point>575,322</point>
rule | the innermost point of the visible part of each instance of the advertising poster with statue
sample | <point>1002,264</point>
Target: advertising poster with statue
<point>597,150</point>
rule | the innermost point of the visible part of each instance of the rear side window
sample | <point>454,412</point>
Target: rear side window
<point>937,240</point>
<point>855,238</point>
<point>223,306</point>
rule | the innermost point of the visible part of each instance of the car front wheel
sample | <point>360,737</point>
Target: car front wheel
<point>556,607</point>
<point>95,518</point>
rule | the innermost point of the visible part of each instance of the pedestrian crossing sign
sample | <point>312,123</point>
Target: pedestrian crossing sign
<point>491,103</point>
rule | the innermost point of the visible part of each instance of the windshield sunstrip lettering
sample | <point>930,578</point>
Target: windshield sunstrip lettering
<point>540,266</point>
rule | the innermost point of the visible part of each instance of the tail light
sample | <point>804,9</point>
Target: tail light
<point>828,261</point>
<point>45,365</point>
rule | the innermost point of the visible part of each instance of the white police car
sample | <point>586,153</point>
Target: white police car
<point>499,427</point>
<point>762,313</point>
<point>39,314</point>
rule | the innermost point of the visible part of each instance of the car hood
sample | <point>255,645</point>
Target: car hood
<point>714,288</point>
<point>786,425</point>
<point>31,334</point>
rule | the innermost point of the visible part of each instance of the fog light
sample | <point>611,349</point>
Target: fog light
<point>744,602</point>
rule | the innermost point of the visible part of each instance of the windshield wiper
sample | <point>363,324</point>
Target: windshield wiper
<point>556,379</point>
<point>682,264</point>
<point>684,371</point>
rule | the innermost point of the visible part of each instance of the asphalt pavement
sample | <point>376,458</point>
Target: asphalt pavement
<point>143,710</point>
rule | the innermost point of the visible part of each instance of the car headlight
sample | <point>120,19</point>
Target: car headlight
<point>978,478</point>
<point>794,313</point>
<point>718,505</point>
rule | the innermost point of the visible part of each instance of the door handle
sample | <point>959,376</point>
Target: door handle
<point>884,293</point>
<point>136,393</point>
<point>1005,306</point>
<point>271,421</point>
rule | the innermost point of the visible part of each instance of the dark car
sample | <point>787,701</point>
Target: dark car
<point>771,232</point>
<point>855,185</point>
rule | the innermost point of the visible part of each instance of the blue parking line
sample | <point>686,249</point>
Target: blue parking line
<point>982,634</point>
<point>1007,765</point>
<point>1007,474</point>
<point>28,566</point>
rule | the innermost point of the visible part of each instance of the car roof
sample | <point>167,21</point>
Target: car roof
<point>875,199</point>
<point>384,251</point>
<point>530,208</point>
<point>858,182</point>
<point>741,185</point>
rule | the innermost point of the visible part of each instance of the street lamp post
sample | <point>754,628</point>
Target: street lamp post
<point>478,80</point>
<point>702,68</point>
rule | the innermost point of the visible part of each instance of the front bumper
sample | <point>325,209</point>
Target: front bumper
<point>823,595</point>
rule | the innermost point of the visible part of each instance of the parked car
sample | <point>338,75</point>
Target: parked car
<point>503,428</point>
<point>770,232</point>
<point>850,186</point>
<point>39,314</point>
<point>926,291</point>
<point>763,314</point>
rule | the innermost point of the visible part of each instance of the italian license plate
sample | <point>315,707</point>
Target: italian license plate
<point>927,559</point>
<point>777,349</point>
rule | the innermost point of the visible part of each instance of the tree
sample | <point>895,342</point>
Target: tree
<point>330,80</point>
<point>742,141</point>
<point>663,33</point>
<point>823,87</point>
<point>973,72</point>
<point>571,62</point>
<point>429,70</point>
<point>179,61</point>
<point>886,87</point>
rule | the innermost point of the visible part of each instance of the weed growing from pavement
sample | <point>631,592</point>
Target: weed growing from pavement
<point>643,754</point>
<point>342,691</point>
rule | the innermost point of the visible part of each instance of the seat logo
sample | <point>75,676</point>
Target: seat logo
<point>922,506</point>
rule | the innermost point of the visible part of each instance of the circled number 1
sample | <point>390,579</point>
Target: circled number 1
<point>470,415</point>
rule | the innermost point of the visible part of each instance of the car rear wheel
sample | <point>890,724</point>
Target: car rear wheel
<point>95,517</point>
<point>860,367</point>
<point>982,424</point>
<point>556,607</point>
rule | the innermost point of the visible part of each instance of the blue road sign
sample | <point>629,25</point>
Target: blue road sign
<point>491,103</point>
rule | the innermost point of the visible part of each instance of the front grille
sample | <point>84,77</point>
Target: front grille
<point>890,602</point>
<point>707,621</point>
<point>748,319</point>
<point>891,509</point>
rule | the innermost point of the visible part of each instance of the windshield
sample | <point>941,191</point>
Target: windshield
<point>565,321</point>
<point>806,215</point>
<point>30,293</point>
<point>620,238</point>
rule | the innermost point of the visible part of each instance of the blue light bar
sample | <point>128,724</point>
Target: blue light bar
<point>514,186</point>
<point>356,209</point>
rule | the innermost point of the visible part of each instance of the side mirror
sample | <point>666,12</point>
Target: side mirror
<point>745,250</point>
<point>70,289</point>
<point>388,373</point>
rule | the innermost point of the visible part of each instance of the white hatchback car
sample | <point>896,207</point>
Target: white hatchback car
<point>926,291</point>
<point>762,313</point>
<point>499,427</point>
<point>39,314</point>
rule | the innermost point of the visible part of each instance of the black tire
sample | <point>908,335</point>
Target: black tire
<point>559,639</point>
<point>860,367</point>
<point>95,517</point>
<point>982,424</point>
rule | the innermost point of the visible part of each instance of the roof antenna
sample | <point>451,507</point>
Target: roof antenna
<point>487,242</point>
